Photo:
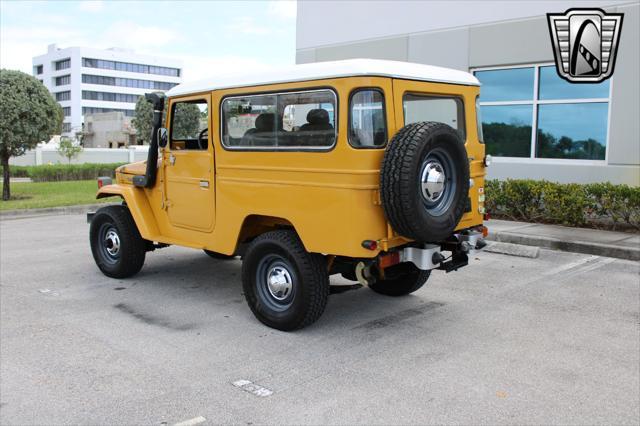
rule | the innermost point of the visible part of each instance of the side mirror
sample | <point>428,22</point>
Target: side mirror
<point>162,137</point>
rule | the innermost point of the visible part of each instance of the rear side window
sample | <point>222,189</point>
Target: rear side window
<point>447,110</point>
<point>367,121</point>
<point>292,120</point>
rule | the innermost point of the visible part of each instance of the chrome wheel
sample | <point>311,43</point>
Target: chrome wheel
<point>437,182</point>
<point>433,181</point>
<point>110,243</point>
<point>279,282</point>
<point>275,279</point>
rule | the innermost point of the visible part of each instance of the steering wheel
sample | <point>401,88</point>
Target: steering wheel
<point>204,135</point>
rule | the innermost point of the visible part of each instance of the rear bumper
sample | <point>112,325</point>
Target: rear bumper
<point>430,256</point>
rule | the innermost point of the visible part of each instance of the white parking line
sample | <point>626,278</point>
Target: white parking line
<point>250,387</point>
<point>192,422</point>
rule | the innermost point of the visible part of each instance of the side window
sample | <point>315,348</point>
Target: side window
<point>189,122</point>
<point>285,120</point>
<point>367,121</point>
<point>447,110</point>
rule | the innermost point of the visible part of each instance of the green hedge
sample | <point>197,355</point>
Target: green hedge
<point>60,172</point>
<point>597,204</point>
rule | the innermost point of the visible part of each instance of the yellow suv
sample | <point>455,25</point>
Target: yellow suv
<point>369,169</point>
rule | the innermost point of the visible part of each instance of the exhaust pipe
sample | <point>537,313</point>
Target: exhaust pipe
<point>149,178</point>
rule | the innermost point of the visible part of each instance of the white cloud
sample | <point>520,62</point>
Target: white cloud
<point>201,67</point>
<point>283,9</point>
<point>134,36</point>
<point>247,25</point>
<point>91,6</point>
<point>20,44</point>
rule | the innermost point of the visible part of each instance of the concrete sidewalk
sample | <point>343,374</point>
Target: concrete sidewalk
<point>621,245</point>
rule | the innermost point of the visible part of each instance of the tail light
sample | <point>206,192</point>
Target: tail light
<point>103,181</point>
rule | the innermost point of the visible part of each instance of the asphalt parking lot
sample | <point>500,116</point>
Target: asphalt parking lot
<point>506,340</point>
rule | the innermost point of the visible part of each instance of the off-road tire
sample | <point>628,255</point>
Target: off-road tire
<point>400,179</point>
<point>309,277</point>
<point>132,247</point>
<point>219,256</point>
<point>401,279</point>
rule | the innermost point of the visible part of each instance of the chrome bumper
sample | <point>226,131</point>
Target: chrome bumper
<point>430,255</point>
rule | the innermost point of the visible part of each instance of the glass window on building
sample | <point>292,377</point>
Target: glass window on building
<point>62,80</point>
<point>63,96</point>
<point>63,64</point>
<point>571,120</point>
<point>38,69</point>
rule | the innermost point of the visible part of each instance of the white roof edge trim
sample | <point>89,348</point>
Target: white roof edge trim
<point>325,70</point>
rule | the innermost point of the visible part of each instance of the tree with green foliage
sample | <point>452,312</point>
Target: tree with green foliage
<point>28,115</point>
<point>142,118</point>
<point>68,148</point>
<point>187,120</point>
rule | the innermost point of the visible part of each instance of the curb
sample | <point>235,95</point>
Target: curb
<point>598,249</point>
<point>50,211</point>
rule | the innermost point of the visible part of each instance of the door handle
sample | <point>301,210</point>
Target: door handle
<point>204,184</point>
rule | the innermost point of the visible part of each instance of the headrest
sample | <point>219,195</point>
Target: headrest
<point>318,116</point>
<point>264,122</point>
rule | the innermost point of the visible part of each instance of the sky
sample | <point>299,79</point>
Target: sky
<point>210,37</point>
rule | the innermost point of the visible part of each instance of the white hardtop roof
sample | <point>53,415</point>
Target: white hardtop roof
<point>334,69</point>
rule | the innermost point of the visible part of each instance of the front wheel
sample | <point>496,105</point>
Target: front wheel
<point>116,244</point>
<point>400,279</point>
<point>286,287</point>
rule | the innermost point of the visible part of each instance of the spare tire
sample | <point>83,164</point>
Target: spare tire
<point>424,181</point>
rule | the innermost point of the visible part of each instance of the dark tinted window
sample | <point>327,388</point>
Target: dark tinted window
<point>553,87</point>
<point>506,85</point>
<point>576,131</point>
<point>507,130</point>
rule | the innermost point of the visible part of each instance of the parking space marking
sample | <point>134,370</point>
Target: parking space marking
<point>252,388</point>
<point>192,422</point>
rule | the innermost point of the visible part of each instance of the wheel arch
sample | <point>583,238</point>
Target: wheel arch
<point>255,225</point>
<point>138,204</point>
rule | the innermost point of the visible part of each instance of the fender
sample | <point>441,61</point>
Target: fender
<point>138,205</point>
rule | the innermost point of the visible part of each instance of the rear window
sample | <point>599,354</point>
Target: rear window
<point>367,122</point>
<point>442,109</point>
<point>292,120</point>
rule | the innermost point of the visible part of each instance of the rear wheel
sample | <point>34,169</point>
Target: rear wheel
<point>219,256</point>
<point>116,244</point>
<point>401,279</point>
<point>286,287</point>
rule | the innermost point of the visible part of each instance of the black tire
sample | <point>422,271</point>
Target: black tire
<point>400,280</point>
<point>302,298</point>
<point>219,256</point>
<point>111,225</point>
<point>415,150</point>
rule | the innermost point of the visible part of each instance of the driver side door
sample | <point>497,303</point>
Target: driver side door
<point>189,165</point>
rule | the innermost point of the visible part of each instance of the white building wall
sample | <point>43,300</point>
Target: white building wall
<point>76,70</point>
<point>467,35</point>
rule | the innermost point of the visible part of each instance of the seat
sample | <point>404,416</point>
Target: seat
<point>318,131</point>
<point>263,134</point>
